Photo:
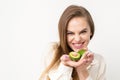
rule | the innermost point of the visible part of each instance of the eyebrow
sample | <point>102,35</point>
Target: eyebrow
<point>84,29</point>
<point>80,31</point>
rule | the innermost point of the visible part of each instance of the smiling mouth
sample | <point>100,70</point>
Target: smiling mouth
<point>78,45</point>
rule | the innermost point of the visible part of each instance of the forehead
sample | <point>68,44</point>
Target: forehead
<point>77,23</point>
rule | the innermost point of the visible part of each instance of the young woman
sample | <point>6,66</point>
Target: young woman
<point>76,29</point>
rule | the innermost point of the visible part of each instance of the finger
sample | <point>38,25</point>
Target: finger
<point>90,59</point>
<point>81,62</point>
<point>90,56</point>
<point>84,55</point>
<point>64,57</point>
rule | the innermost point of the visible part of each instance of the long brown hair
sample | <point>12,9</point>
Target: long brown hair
<point>69,13</point>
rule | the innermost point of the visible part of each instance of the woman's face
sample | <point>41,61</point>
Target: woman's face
<point>78,33</point>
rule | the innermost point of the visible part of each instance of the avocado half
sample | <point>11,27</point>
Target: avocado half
<point>81,52</point>
<point>74,56</point>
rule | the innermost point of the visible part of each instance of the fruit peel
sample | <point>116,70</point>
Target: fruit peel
<point>82,51</point>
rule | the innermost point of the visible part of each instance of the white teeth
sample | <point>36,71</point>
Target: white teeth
<point>77,44</point>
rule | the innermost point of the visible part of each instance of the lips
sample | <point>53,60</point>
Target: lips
<point>78,45</point>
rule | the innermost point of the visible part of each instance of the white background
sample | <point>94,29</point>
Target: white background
<point>26,26</point>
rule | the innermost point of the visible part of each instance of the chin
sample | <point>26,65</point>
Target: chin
<point>76,50</point>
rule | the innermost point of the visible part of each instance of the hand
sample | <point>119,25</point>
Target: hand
<point>85,61</point>
<point>82,64</point>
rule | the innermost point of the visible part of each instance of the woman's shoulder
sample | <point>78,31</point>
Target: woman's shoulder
<point>51,48</point>
<point>99,58</point>
<point>48,52</point>
<point>52,45</point>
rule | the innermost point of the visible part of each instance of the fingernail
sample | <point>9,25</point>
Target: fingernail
<point>66,56</point>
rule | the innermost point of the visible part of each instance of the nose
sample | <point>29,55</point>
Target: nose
<point>77,38</point>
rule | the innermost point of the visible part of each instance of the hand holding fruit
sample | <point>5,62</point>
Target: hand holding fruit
<point>81,60</point>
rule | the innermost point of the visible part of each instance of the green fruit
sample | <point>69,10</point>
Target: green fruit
<point>81,52</point>
<point>74,56</point>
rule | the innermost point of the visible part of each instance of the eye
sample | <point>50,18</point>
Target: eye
<point>84,31</point>
<point>70,33</point>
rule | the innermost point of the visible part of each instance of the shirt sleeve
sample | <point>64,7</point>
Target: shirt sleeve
<point>102,70</point>
<point>62,73</point>
<point>97,70</point>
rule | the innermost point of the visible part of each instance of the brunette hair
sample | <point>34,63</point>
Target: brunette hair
<point>69,13</point>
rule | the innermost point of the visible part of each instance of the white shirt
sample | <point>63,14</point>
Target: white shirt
<point>96,69</point>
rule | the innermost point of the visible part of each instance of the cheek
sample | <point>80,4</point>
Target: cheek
<point>86,37</point>
<point>69,38</point>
